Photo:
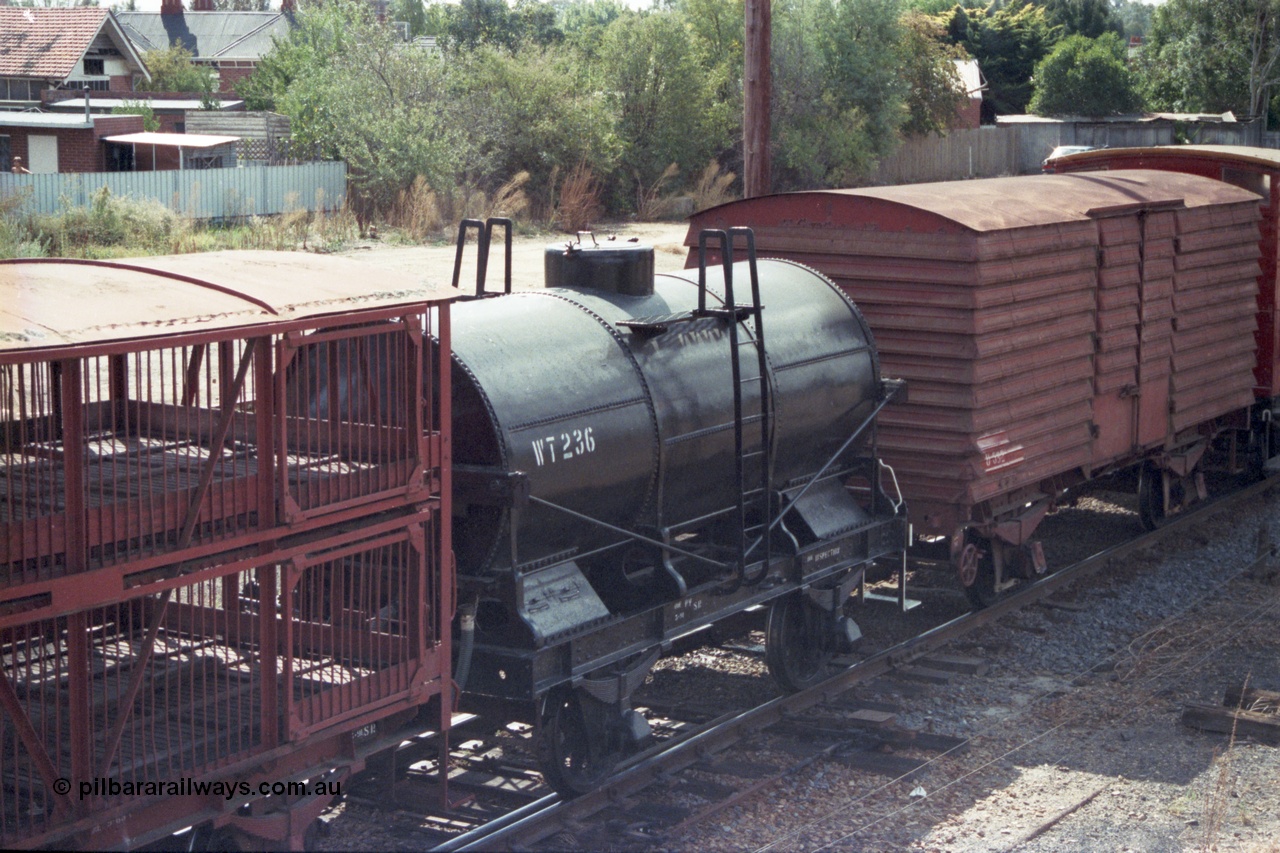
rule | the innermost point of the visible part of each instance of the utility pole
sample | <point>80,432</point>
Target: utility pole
<point>757,159</point>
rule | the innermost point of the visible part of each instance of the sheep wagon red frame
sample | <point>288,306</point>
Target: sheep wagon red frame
<point>219,562</point>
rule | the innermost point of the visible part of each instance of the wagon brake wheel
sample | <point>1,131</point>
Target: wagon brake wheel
<point>967,564</point>
<point>576,750</point>
<point>977,572</point>
<point>798,642</point>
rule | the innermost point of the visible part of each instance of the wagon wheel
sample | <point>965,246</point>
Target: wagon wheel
<point>977,572</point>
<point>576,749</point>
<point>1151,506</point>
<point>798,645</point>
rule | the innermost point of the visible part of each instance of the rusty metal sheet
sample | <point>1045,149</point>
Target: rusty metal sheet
<point>45,303</point>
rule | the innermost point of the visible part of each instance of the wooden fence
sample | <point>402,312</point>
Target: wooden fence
<point>1019,147</point>
<point>197,194</point>
<point>983,153</point>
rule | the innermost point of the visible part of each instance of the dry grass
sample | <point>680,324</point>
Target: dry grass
<point>423,213</point>
<point>713,186</point>
<point>577,204</point>
<point>651,203</point>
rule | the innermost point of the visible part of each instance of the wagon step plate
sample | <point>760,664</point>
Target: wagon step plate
<point>656,324</point>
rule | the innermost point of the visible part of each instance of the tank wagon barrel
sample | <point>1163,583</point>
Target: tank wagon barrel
<point>637,457</point>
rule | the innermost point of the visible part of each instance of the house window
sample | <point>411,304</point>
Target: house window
<point>5,160</point>
<point>94,68</point>
<point>20,90</point>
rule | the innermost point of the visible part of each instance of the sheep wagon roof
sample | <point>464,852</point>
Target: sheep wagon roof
<point>47,303</point>
<point>987,205</point>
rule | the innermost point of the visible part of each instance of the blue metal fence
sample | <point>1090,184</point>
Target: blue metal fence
<point>197,194</point>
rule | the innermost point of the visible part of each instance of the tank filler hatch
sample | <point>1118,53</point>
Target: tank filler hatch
<point>625,268</point>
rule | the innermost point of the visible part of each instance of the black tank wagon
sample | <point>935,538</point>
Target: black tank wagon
<point>638,456</point>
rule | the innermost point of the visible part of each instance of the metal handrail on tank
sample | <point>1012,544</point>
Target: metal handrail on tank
<point>892,387</point>
<point>484,238</point>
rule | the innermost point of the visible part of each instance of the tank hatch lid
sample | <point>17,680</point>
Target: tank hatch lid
<point>613,266</point>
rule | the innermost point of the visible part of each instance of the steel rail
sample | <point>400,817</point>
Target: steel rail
<point>544,817</point>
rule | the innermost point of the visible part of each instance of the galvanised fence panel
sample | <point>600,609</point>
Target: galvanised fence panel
<point>195,193</point>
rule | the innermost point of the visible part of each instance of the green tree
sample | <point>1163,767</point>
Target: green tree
<point>717,33</point>
<point>935,93</point>
<point>471,23</point>
<point>356,92</point>
<point>1134,15</point>
<point>529,112</point>
<point>1089,18</point>
<point>173,71</point>
<point>322,34</point>
<point>413,13</point>
<point>1213,56</point>
<point>1007,42</point>
<point>846,75</point>
<point>662,98</point>
<point>1086,77</point>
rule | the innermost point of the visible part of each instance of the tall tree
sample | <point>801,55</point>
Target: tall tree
<point>1007,42</point>
<point>1089,18</point>
<point>936,92</point>
<point>839,92</point>
<point>354,91</point>
<point>1213,56</point>
<point>662,97</point>
<point>1086,77</point>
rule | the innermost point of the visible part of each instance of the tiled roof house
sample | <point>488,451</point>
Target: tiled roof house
<point>232,43</point>
<point>69,48</point>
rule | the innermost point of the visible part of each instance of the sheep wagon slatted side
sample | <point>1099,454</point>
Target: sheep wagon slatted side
<point>218,560</point>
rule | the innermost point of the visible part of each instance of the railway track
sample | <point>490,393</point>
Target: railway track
<point>541,819</point>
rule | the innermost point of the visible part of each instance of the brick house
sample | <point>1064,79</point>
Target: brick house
<point>231,43</point>
<point>63,48</point>
<point>48,142</point>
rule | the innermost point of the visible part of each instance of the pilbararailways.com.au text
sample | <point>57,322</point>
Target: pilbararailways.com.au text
<point>102,787</point>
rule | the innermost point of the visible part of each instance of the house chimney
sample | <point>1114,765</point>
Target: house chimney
<point>170,7</point>
<point>202,6</point>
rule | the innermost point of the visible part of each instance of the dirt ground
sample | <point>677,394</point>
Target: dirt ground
<point>435,261</point>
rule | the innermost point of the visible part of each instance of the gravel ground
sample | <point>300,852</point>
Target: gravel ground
<point>1074,739</point>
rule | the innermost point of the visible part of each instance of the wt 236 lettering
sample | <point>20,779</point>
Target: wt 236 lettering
<point>551,449</point>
